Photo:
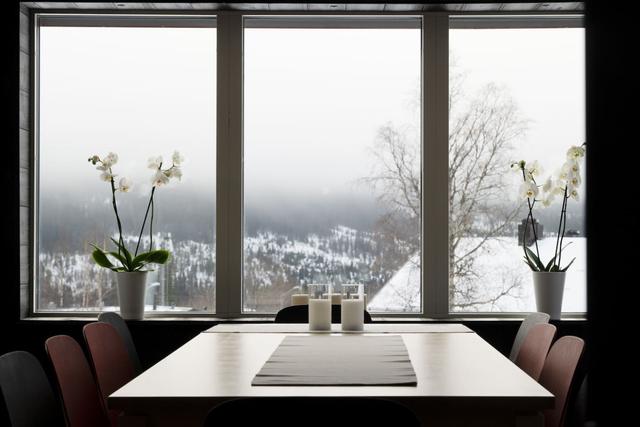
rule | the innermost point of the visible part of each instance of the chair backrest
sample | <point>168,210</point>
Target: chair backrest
<point>110,360</point>
<point>300,314</point>
<point>528,322</point>
<point>82,402</point>
<point>534,349</point>
<point>333,411</point>
<point>557,376</point>
<point>27,394</point>
<point>577,406</point>
<point>114,319</point>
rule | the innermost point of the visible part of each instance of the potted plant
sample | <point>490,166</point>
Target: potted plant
<point>131,267</point>
<point>549,277</point>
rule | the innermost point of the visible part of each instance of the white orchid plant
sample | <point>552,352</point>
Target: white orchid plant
<point>123,260</point>
<point>564,183</point>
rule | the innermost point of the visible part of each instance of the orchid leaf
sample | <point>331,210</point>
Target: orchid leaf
<point>101,258</point>
<point>159,256</point>
<point>140,260</point>
<point>568,265</point>
<point>530,264</point>
<point>115,242</point>
<point>119,257</point>
<point>563,248</point>
<point>550,264</point>
<point>535,259</point>
<point>127,255</point>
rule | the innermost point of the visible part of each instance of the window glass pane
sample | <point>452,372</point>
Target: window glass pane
<point>137,92</point>
<point>515,94</point>
<point>332,173</point>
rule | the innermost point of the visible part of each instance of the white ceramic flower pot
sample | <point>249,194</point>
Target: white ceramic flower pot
<point>131,292</point>
<point>549,288</point>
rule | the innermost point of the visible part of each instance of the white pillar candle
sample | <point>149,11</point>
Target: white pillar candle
<point>335,298</point>
<point>352,311</point>
<point>299,299</point>
<point>319,314</point>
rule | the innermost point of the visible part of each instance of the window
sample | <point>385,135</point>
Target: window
<point>331,137</point>
<point>524,89</point>
<point>318,149</point>
<point>137,90</point>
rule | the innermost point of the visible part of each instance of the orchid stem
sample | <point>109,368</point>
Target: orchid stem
<point>115,209</point>
<point>144,221</point>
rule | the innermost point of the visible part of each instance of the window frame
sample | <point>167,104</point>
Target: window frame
<point>435,28</point>
<point>508,21</point>
<point>84,19</point>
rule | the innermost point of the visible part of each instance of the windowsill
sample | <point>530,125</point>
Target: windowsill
<point>376,319</point>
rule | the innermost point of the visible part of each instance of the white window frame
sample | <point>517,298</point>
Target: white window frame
<point>435,28</point>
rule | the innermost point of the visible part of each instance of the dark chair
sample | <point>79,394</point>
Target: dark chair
<point>81,399</point>
<point>528,322</point>
<point>28,396</point>
<point>312,411</point>
<point>110,360</point>
<point>578,414</point>
<point>558,375</point>
<point>534,349</point>
<point>120,325</point>
<point>300,314</point>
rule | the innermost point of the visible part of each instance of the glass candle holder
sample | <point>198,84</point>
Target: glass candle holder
<point>352,307</point>
<point>301,297</point>
<point>319,307</point>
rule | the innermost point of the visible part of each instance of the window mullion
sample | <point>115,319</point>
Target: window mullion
<point>229,167</point>
<point>435,161</point>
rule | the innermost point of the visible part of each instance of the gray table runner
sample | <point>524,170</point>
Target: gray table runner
<point>338,360</point>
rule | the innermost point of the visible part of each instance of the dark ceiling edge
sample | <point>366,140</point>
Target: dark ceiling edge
<point>390,7</point>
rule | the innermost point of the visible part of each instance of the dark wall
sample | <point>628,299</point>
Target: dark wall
<point>612,95</point>
<point>612,279</point>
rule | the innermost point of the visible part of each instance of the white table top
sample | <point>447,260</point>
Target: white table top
<point>378,328</point>
<point>450,367</point>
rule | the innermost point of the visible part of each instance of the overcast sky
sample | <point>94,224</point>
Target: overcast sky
<point>314,99</point>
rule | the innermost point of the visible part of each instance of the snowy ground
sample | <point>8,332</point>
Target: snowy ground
<point>276,264</point>
<point>499,264</point>
<point>147,309</point>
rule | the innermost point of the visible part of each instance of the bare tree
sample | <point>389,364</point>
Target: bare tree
<point>482,131</point>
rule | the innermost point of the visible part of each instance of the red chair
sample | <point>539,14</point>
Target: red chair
<point>534,349</point>
<point>81,400</point>
<point>110,359</point>
<point>557,376</point>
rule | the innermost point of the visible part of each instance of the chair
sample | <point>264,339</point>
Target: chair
<point>534,349</point>
<point>321,411</point>
<point>27,393</point>
<point>111,364</point>
<point>300,314</point>
<point>120,325</point>
<point>81,399</point>
<point>528,322</point>
<point>557,376</point>
<point>577,406</point>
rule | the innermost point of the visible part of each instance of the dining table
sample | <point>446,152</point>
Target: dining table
<point>461,379</point>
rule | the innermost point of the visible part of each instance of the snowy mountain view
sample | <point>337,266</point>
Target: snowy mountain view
<point>276,266</point>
